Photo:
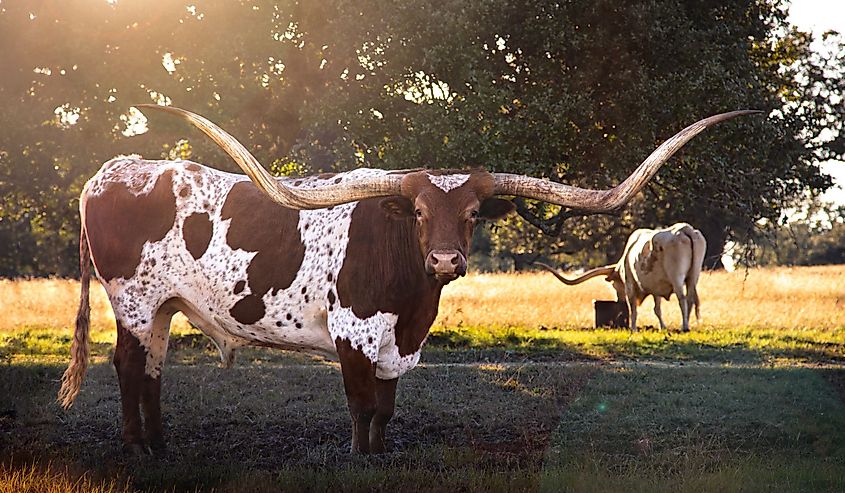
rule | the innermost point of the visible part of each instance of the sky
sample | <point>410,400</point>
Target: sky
<point>819,16</point>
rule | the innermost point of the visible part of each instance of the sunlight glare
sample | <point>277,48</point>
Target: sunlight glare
<point>134,123</point>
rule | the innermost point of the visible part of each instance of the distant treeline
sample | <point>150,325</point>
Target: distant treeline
<point>578,92</point>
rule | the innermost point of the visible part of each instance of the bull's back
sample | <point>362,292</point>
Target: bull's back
<point>242,267</point>
<point>161,231</point>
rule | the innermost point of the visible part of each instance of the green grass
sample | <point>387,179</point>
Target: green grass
<point>278,421</point>
<point>736,346</point>
<point>496,343</point>
<point>573,410</point>
<point>701,429</point>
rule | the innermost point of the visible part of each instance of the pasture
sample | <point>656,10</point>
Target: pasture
<point>515,392</point>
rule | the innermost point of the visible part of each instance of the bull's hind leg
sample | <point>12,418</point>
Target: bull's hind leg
<point>139,375</point>
<point>129,359</point>
<point>359,380</point>
<point>151,390</point>
<point>385,402</point>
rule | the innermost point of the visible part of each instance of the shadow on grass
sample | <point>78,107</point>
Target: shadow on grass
<point>737,346</point>
<point>262,427</point>
<point>702,429</point>
<point>278,420</point>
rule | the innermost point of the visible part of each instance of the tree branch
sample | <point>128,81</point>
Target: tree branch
<point>554,225</point>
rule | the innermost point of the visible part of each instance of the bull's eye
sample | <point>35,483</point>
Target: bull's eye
<point>418,213</point>
<point>473,214</point>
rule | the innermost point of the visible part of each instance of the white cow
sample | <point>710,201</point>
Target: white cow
<point>656,262</point>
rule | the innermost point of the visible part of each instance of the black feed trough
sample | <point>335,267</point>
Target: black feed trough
<point>611,313</point>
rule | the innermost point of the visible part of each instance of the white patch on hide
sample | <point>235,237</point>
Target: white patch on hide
<point>447,182</point>
<point>299,317</point>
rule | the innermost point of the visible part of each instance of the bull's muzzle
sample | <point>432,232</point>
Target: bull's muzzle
<point>446,265</point>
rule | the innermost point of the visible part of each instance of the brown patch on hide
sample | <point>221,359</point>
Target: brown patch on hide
<point>260,225</point>
<point>197,233</point>
<point>119,223</point>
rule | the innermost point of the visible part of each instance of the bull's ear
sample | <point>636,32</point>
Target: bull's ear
<point>494,209</point>
<point>397,207</point>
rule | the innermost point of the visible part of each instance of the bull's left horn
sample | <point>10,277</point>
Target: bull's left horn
<point>606,200</point>
<point>295,198</point>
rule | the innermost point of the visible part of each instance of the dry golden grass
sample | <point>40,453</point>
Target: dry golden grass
<point>52,479</point>
<point>52,304</point>
<point>789,298</point>
<point>783,297</point>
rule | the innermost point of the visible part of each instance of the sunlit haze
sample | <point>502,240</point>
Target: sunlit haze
<point>819,16</point>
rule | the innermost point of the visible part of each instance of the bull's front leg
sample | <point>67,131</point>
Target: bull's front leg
<point>359,381</point>
<point>386,400</point>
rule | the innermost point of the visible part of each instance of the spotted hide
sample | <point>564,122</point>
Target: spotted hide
<point>348,281</point>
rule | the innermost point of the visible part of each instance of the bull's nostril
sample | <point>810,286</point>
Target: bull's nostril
<point>455,260</point>
<point>434,260</point>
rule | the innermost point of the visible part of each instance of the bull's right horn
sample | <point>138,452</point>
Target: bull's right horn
<point>605,200</point>
<point>598,271</point>
<point>295,198</point>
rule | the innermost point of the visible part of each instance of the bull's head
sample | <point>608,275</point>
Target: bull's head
<point>447,205</point>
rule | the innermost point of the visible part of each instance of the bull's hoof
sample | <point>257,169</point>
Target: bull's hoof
<point>135,449</point>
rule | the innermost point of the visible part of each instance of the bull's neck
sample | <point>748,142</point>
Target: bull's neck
<point>384,271</point>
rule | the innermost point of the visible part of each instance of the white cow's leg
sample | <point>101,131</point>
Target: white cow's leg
<point>659,312</point>
<point>631,298</point>
<point>693,301</point>
<point>682,303</point>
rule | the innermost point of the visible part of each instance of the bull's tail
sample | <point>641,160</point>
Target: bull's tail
<point>72,378</point>
<point>598,271</point>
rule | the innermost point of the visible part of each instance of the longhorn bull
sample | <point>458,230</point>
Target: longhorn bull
<point>350,266</point>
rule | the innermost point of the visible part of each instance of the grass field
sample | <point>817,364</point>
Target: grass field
<point>516,392</point>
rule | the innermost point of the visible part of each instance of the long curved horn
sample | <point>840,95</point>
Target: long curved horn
<point>295,198</point>
<point>598,271</point>
<point>605,200</point>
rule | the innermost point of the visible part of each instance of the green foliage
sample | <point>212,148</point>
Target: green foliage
<point>288,167</point>
<point>181,150</point>
<point>817,239</point>
<point>574,91</point>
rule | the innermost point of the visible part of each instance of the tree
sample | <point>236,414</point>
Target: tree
<point>816,238</point>
<point>574,91</point>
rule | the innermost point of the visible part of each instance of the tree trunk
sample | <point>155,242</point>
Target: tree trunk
<point>716,235</point>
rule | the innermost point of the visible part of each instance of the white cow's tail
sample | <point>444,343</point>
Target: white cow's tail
<point>72,378</point>
<point>695,268</point>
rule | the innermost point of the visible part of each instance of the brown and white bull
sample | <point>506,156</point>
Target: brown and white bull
<point>657,263</point>
<point>349,265</point>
